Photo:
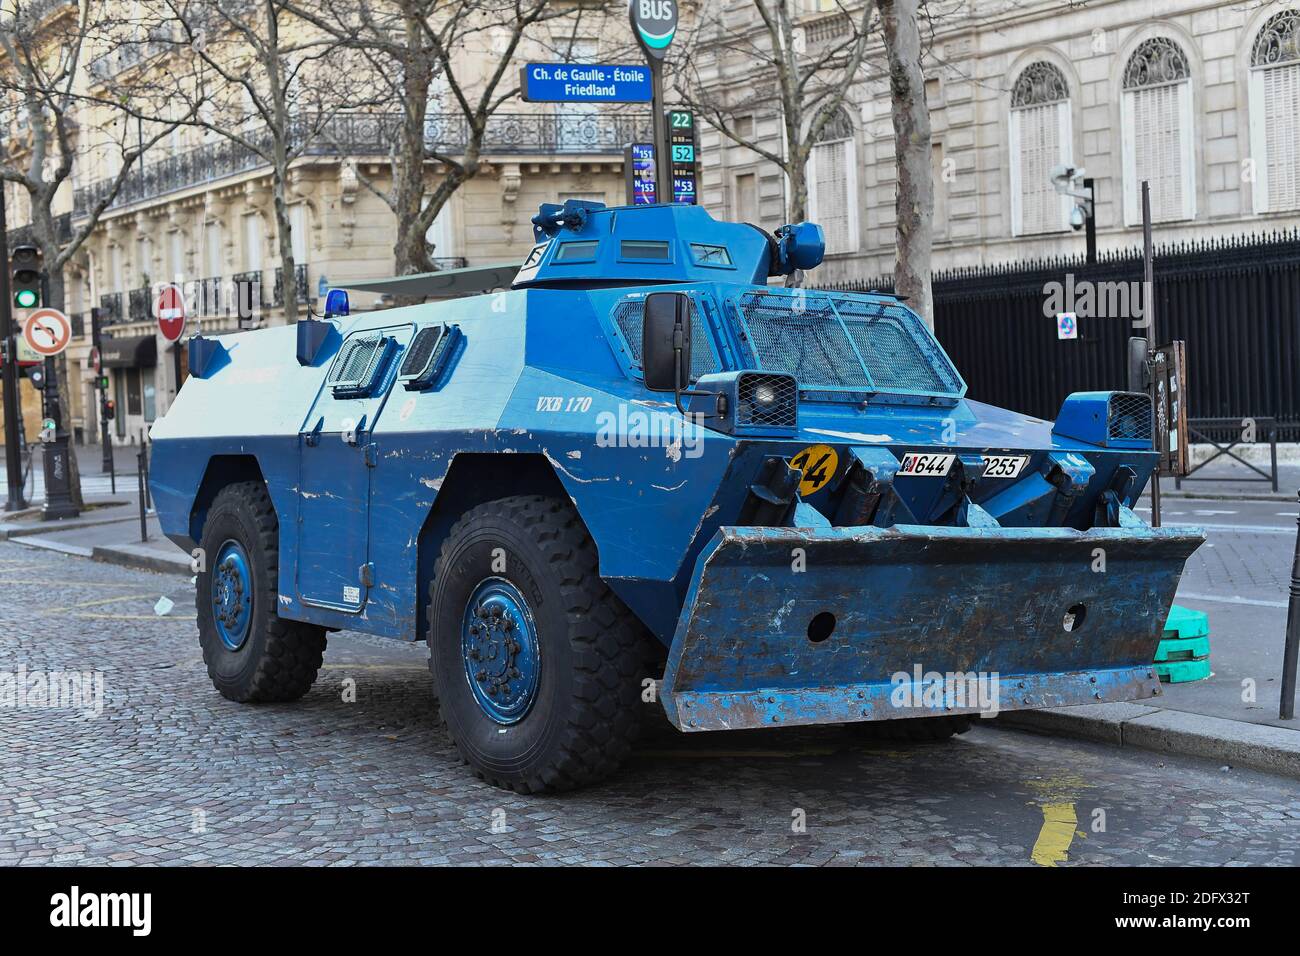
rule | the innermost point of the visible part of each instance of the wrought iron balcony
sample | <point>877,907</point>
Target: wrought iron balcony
<point>139,308</point>
<point>248,290</point>
<point>24,234</point>
<point>373,134</point>
<point>110,309</point>
<point>302,292</point>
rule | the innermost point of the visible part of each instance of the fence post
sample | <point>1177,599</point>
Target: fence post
<point>1286,711</point>
<point>140,482</point>
<point>1272,452</point>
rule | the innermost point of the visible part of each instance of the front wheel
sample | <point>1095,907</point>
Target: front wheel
<point>537,664</point>
<point>252,654</point>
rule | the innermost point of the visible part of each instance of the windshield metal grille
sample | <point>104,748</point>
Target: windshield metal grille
<point>629,316</point>
<point>846,343</point>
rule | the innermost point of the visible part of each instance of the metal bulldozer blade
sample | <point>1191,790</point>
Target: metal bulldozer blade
<point>788,626</point>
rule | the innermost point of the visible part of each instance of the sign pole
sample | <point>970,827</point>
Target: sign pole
<point>12,406</point>
<point>1149,314</point>
<point>654,24</point>
<point>58,477</point>
<point>105,440</point>
<point>663,161</point>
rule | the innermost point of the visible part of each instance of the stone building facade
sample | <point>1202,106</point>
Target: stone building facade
<point>197,211</point>
<point>1201,99</point>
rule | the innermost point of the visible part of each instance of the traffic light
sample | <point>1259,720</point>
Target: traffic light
<point>26,264</point>
<point>110,409</point>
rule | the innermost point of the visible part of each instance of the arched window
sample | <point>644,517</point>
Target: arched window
<point>1275,113</point>
<point>1040,139</point>
<point>1156,119</point>
<point>833,185</point>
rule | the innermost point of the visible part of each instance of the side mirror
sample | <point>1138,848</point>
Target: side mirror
<point>1139,379</point>
<point>666,342</point>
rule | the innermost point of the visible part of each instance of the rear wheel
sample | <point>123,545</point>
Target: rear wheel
<point>252,654</point>
<point>536,663</point>
<point>912,728</point>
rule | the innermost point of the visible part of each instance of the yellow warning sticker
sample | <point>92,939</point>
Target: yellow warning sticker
<point>818,464</point>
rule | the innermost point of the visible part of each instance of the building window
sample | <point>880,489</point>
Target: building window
<point>212,255</point>
<point>1040,139</point>
<point>298,232</point>
<point>252,242</point>
<point>1275,113</point>
<point>745,198</point>
<point>833,185</point>
<point>1156,117</point>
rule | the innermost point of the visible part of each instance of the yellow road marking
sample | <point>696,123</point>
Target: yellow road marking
<point>1053,844</point>
<point>97,602</point>
<point>136,617</point>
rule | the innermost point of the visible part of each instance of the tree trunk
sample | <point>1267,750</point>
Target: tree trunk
<point>914,203</point>
<point>288,285</point>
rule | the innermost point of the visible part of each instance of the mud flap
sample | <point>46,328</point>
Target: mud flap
<point>790,626</point>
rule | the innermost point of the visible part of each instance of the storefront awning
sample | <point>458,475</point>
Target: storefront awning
<point>138,351</point>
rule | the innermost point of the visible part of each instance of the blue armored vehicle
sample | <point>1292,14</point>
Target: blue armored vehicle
<point>642,477</point>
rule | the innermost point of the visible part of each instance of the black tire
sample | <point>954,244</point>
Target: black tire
<point>914,729</point>
<point>279,659</point>
<point>584,713</point>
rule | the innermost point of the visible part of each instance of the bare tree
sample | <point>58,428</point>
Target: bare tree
<point>254,72</point>
<point>804,83</point>
<point>914,201</point>
<point>413,45</point>
<point>44,48</point>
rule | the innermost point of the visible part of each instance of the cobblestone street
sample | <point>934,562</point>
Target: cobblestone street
<point>171,772</point>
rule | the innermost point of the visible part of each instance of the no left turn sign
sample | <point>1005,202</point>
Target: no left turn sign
<point>47,332</point>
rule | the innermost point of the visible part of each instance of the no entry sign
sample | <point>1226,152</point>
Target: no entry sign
<point>47,332</point>
<point>169,309</point>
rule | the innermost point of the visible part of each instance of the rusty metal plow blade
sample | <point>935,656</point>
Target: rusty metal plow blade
<point>787,626</point>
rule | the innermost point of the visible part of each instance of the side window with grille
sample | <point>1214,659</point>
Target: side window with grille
<point>360,365</point>
<point>628,316</point>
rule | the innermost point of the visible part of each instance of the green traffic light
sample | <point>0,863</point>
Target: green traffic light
<point>26,299</point>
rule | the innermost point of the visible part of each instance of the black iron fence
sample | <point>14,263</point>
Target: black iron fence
<point>373,134</point>
<point>1235,301</point>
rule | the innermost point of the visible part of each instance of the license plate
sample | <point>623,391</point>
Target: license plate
<point>931,466</point>
<point>1004,466</point>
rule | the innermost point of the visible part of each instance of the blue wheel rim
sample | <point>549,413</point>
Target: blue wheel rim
<point>232,595</point>
<point>498,641</point>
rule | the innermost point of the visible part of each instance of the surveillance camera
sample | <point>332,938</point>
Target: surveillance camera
<point>1077,218</point>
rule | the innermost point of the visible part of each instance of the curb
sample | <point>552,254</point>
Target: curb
<point>9,532</point>
<point>123,555</point>
<point>143,559</point>
<point>1228,496</point>
<point>1233,742</point>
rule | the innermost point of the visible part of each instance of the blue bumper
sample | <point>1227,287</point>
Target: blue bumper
<point>791,626</point>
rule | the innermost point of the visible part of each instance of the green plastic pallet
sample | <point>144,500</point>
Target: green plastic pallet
<point>1181,672</point>
<point>1191,649</point>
